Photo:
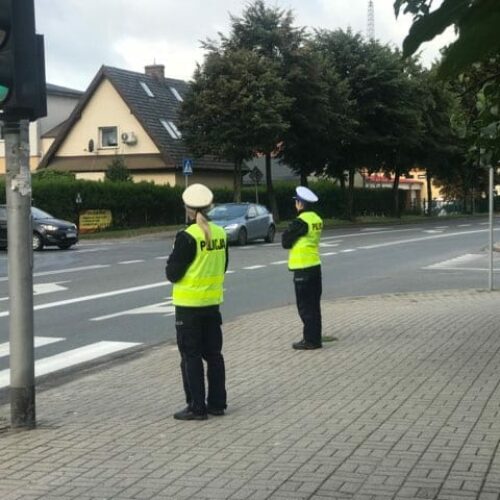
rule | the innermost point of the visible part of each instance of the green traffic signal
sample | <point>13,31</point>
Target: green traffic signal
<point>4,92</point>
<point>22,67</point>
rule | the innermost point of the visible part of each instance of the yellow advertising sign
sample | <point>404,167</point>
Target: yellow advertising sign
<point>95,220</point>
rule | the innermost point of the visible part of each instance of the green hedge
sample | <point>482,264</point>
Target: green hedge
<point>146,204</point>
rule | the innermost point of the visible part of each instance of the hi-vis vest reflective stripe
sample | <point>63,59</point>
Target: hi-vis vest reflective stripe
<point>202,285</point>
<point>305,251</point>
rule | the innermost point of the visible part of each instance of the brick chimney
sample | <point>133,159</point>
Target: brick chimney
<point>156,71</point>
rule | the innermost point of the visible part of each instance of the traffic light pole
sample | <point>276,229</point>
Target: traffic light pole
<point>20,270</point>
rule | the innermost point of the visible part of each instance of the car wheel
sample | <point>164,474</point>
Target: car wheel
<point>64,246</point>
<point>270,234</point>
<point>37,242</point>
<point>242,237</point>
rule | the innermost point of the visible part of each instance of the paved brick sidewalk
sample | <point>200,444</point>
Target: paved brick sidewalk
<point>406,404</point>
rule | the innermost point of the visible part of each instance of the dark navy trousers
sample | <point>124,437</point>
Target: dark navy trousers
<point>308,289</point>
<point>199,337</point>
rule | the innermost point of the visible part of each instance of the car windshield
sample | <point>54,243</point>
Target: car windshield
<point>227,212</point>
<point>40,214</point>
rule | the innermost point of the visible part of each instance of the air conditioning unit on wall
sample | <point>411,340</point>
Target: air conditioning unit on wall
<point>129,138</point>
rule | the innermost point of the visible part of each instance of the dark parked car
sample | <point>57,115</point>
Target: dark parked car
<point>244,221</point>
<point>47,230</point>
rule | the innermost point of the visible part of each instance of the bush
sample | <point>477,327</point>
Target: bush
<point>147,204</point>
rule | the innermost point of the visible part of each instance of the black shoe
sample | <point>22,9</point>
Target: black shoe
<point>189,414</point>
<point>303,345</point>
<point>216,412</point>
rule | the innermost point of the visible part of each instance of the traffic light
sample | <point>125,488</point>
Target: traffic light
<point>22,64</point>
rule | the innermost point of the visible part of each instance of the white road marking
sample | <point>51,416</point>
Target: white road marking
<point>99,249</point>
<point>369,229</point>
<point>86,298</point>
<point>131,261</point>
<point>71,358</point>
<point>230,272</point>
<point>162,257</point>
<point>424,238</point>
<point>258,266</point>
<point>348,250</point>
<point>464,225</point>
<point>432,231</point>
<point>278,262</point>
<point>329,244</point>
<point>326,254</point>
<point>62,271</point>
<point>42,288</point>
<point>164,308</point>
<point>39,342</point>
<point>453,264</point>
<point>461,259</point>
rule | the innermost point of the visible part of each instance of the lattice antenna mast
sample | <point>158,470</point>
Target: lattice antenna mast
<point>370,31</point>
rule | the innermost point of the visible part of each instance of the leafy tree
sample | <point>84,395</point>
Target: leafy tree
<point>440,149</point>
<point>117,171</point>
<point>476,49</point>
<point>476,23</point>
<point>268,32</point>
<point>236,104</point>
<point>319,115</point>
<point>385,122</point>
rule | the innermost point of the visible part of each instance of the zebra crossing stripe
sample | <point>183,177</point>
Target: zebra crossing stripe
<point>39,342</point>
<point>71,358</point>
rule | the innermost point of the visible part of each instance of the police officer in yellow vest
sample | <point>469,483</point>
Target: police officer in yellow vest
<point>196,268</point>
<point>302,238</point>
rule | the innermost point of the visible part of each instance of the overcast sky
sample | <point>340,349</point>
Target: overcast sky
<point>81,35</point>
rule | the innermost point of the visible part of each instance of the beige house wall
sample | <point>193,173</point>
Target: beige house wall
<point>161,179</point>
<point>105,109</point>
<point>90,176</point>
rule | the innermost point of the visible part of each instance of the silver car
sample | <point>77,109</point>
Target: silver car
<point>244,222</point>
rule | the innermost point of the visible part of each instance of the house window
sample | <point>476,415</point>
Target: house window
<point>176,94</point>
<point>170,127</point>
<point>148,91</point>
<point>108,137</point>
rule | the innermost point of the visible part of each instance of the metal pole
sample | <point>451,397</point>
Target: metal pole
<point>186,220</point>
<point>20,265</point>
<point>491,185</point>
<point>256,192</point>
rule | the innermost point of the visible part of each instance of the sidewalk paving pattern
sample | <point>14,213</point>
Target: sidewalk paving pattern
<point>406,404</point>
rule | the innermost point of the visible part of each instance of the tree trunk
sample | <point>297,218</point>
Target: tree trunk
<point>237,181</point>
<point>303,178</point>
<point>350,195</point>
<point>342,182</point>
<point>270,190</point>
<point>395,192</point>
<point>429,193</point>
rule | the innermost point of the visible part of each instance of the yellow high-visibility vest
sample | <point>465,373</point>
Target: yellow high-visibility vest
<point>202,285</point>
<point>305,251</point>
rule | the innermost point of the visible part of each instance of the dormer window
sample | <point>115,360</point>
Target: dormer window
<point>108,137</point>
<point>146,89</point>
<point>176,94</point>
<point>171,128</point>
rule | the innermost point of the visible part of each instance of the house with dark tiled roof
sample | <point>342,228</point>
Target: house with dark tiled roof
<point>133,116</point>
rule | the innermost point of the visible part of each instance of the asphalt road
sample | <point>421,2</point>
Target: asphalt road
<point>105,297</point>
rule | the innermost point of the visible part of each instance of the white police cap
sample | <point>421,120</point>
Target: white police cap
<point>197,196</point>
<point>305,194</point>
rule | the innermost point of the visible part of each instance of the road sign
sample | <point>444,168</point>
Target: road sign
<point>256,175</point>
<point>187,166</point>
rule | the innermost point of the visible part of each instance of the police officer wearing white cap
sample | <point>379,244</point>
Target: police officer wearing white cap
<point>302,238</point>
<point>196,268</point>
